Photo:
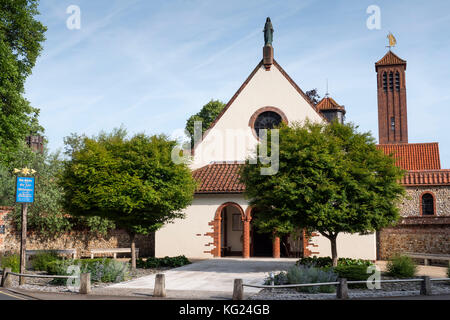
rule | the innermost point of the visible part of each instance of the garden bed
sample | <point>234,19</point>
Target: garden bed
<point>46,285</point>
<point>387,290</point>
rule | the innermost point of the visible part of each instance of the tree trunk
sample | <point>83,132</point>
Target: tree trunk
<point>334,255</point>
<point>133,251</point>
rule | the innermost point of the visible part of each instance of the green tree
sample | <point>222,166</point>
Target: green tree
<point>331,179</point>
<point>21,37</point>
<point>313,96</point>
<point>46,215</point>
<point>207,115</point>
<point>132,182</point>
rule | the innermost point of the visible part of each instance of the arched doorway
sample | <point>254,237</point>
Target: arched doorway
<point>261,243</point>
<point>231,231</point>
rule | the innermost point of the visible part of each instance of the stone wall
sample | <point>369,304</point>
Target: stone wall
<point>416,234</point>
<point>410,206</point>
<point>83,241</point>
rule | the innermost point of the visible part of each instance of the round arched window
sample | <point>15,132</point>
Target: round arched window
<point>267,120</point>
<point>427,204</point>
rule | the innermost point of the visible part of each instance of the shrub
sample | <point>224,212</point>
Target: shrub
<point>278,279</point>
<point>153,262</point>
<point>401,266</point>
<point>448,271</point>
<point>321,262</point>
<point>40,261</point>
<point>318,262</point>
<point>10,261</point>
<point>353,273</point>
<point>309,274</point>
<point>354,262</point>
<point>101,270</point>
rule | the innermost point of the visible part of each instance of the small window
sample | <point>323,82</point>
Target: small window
<point>397,81</point>
<point>427,204</point>
<point>384,81</point>
<point>392,123</point>
<point>237,222</point>
<point>391,81</point>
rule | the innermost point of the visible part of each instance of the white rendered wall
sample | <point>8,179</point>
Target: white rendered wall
<point>231,139</point>
<point>348,246</point>
<point>181,237</point>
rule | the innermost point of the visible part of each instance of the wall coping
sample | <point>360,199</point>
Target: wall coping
<point>435,220</point>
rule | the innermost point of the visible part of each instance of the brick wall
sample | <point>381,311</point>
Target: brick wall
<point>83,241</point>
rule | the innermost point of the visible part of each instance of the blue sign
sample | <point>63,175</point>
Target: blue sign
<point>25,190</point>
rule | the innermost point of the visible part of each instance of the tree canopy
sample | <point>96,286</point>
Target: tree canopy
<point>133,182</point>
<point>21,37</point>
<point>331,179</point>
<point>46,215</point>
<point>206,115</point>
<point>313,96</point>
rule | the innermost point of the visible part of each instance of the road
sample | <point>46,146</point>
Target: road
<point>8,295</point>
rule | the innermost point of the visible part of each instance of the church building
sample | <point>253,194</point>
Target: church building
<point>218,223</point>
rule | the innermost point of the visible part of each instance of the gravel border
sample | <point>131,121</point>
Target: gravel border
<point>44,285</point>
<point>387,290</point>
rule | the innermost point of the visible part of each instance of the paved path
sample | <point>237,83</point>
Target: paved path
<point>432,271</point>
<point>6,294</point>
<point>214,275</point>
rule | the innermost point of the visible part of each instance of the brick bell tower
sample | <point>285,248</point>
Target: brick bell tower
<point>392,112</point>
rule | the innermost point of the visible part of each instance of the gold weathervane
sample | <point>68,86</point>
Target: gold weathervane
<point>25,171</point>
<point>392,40</point>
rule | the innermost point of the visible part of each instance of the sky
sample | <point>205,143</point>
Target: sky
<point>149,65</point>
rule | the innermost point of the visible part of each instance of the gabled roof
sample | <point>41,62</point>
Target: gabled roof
<point>328,103</point>
<point>249,78</point>
<point>414,156</point>
<point>219,178</point>
<point>389,59</point>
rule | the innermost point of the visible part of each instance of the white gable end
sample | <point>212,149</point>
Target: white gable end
<point>231,138</point>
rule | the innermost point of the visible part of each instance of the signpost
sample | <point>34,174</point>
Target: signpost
<point>24,195</point>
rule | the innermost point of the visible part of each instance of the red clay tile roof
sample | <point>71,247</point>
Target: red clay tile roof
<point>414,156</point>
<point>389,59</point>
<point>224,178</point>
<point>328,103</point>
<point>426,177</point>
<point>219,178</point>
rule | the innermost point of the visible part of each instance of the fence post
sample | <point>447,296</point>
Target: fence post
<point>425,286</point>
<point>160,285</point>
<point>342,289</point>
<point>85,283</point>
<point>6,278</point>
<point>238,290</point>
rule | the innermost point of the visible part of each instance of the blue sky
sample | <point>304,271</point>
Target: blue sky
<point>149,65</point>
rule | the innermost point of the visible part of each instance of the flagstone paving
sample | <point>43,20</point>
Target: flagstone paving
<point>214,275</point>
